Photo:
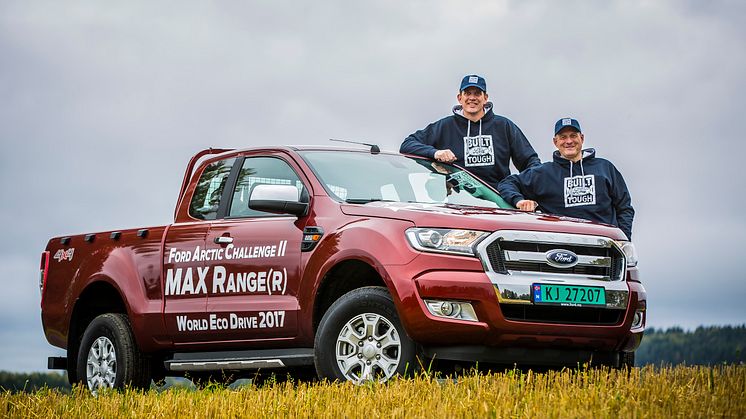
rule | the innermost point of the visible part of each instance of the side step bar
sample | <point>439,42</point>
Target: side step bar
<point>240,360</point>
<point>57,363</point>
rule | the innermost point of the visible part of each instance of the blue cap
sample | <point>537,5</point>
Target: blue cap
<point>473,80</point>
<point>566,122</point>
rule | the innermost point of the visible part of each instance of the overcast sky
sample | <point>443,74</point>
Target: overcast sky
<point>103,103</point>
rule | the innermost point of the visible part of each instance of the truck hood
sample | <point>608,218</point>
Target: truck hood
<point>478,218</point>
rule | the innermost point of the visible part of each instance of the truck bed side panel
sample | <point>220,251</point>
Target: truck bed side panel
<point>131,264</point>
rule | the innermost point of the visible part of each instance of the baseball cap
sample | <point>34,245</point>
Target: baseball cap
<point>566,122</point>
<point>473,80</point>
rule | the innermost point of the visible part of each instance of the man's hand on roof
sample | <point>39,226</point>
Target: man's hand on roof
<point>526,205</point>
<point>445,156</point>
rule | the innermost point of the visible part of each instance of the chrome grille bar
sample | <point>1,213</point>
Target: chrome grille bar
<point>506,251</point>
<point>536,257</point>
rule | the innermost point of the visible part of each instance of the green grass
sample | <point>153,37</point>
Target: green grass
<point>643,392</point>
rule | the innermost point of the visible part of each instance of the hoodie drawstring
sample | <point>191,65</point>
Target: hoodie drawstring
<point>468,128</point>
<point>582,173</point>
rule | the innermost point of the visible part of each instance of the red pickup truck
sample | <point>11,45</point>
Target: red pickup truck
<point>362,264</point>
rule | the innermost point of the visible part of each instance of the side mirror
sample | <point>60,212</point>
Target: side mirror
<point>280,199</point>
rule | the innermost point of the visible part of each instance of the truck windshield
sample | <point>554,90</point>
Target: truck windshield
<point>358,177</point>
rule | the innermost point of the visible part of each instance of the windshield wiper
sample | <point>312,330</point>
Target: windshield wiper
<point>366,200</point>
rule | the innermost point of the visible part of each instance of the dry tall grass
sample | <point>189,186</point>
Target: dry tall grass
<point>646,392</point>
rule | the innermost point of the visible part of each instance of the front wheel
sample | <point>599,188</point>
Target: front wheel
<point>626,360</point>
<point>109,356</point>
<point>361,339</point>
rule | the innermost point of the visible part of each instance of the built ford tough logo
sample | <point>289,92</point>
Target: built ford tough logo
<point>560,258</point>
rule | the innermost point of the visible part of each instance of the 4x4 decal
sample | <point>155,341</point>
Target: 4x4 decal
<point>64,254</point>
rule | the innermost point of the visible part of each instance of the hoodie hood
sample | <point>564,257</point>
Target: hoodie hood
<point>458,110</point>
<point>588,153</point>
<point>478,218</point>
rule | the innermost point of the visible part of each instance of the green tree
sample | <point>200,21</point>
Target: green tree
<point>704,346</point>
<point>15,382</point>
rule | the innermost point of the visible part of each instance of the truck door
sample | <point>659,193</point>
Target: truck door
<point>254,282</point>
<point>184,271</point>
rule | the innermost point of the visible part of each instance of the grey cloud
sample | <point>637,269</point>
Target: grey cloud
<point>103,104</point>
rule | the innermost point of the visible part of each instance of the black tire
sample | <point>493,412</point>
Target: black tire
<point>127,367</point>
<point>626,360</point>
<point>396,355</point>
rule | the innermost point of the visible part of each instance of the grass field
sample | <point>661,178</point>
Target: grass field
<point>643,392</point>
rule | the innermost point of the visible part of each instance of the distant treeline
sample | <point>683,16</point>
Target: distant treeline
<point>10,381</point>
<point>703,346</point>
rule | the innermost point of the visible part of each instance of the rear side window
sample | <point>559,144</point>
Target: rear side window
<point>260,171</point>
<point>206,198</point>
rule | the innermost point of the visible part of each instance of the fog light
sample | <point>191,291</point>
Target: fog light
<point>457,310</point>
<point>450,309</point>
<point>638,321</point>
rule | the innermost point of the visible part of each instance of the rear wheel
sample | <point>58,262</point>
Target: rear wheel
<point>109,356</point>
<point>361,339</point>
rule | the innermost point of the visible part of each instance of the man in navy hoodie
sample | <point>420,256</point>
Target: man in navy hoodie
<point>474,137</point>
<point>576,184</point>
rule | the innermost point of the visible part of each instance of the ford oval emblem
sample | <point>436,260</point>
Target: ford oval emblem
<point>560,258</point>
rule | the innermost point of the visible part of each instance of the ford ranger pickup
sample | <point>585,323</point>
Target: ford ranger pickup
<point>360,265</point>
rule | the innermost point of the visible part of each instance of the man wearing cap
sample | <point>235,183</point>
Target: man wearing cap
<point>575,184</point>
<point>474,137</point>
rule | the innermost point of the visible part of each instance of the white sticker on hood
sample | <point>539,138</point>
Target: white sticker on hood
<point>478,151</point>
<point>580,190</point>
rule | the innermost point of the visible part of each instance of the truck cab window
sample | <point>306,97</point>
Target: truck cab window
<point>206,198</point>
<point>260,171</point>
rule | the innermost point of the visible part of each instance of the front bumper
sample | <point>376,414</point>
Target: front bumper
<point>524,356</point>
<point>493,295</point>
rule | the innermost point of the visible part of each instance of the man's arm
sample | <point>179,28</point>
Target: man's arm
<point>420,143</point>
<point>512,190</point>
<point>523,154</point>
<point>622,202</point>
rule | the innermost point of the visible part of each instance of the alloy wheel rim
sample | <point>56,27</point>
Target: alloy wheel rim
<point>101,366</point>
<point>368,348</point>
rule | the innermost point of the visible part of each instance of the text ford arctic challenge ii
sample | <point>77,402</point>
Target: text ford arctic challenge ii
<point>362,264</point>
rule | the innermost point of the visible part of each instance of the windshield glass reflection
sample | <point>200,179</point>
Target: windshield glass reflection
<point>359,177</point>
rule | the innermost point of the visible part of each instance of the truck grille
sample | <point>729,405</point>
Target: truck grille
<point>603,263</point>
<point>516,260</point>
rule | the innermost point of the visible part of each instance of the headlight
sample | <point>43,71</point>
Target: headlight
<point>459,242</point>
<point>629,252</point>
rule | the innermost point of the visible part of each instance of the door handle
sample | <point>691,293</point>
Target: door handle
<point>223,240</point>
